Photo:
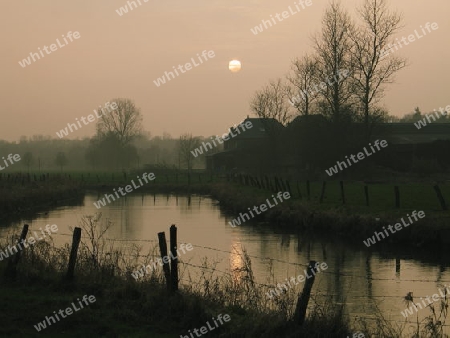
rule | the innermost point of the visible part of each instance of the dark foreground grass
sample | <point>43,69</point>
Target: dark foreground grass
<point>125,307</point>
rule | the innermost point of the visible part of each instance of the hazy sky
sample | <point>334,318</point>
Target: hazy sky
<point>121,56</point>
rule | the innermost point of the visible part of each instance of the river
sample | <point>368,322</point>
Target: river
<point>354,276</point>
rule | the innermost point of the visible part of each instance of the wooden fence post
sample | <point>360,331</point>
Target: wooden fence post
<point>308,191</point>
<point>258,183</point>
<point>322,194</point>
<point>12,264</point>
<point>303,298</point>
<point>73,253</point>
<point>299,192</point>
<point>440,197</point>
<point>173,258</point>
<point>341,183</point>
<point>164,257</point>
<point>289,187</point>
<point>397,196</point>
<point>283,186</point>
<point>366,193</point>
<point>277,184</point>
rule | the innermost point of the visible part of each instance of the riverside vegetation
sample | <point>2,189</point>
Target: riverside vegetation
<point>125,307</point>
<point>128,308</point>
<point>24,194</point>
<point>104,271</point>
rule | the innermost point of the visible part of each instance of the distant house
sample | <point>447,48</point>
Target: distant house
<point>246,150</point>
<point>407,143</point>
<point>407,133</point>
<point>253,151</point>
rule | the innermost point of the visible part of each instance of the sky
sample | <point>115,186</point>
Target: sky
<point>122,56</point>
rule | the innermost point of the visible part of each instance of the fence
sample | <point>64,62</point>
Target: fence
<point>359,191</point>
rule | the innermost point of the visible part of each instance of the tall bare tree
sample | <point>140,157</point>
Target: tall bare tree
<point>271,102</point>
<point>271,105</point>
<point>186,144</point>
<point>124,123</point>
<point>303,79</point>
<point>333,47</point>
<point>371,71</point>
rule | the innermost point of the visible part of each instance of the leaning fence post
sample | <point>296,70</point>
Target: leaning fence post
<point>341,183</point>
<point>288,187</point>
<point>303,299</point>
<point>73,253</point>
<point>12,264</point>
<point>440,197</point>
<point>397,196</point>
<point>173,258</point>
<point>299,192</point>
<point>322,194</point>
<point>164,257</point>
<point>308,191</point>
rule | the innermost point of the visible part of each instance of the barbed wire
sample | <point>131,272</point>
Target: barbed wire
<point>335,273</point>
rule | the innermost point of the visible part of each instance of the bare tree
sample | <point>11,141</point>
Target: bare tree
<point>333,47</point>
<point>370,70</point>
<point>125,122</point>
<point>303,79</point>
<point>186,144</point>
<point>61,160</point>
<point>271,105</point>
<point>28,160</point>
<point>270,102</point>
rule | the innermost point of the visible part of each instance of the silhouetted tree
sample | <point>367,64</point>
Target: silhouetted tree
<point>186,144</point>
<point>124,123</point>
<point>61,160</point>
<point>27,159</point>
<point>304,80</point>
<point>371,70</point>
<point>332,47</point>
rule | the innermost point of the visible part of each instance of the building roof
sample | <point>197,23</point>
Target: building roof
<point>407,133</point>
<point>258,129</point>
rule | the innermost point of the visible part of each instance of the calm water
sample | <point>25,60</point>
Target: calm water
<point>354,277</point>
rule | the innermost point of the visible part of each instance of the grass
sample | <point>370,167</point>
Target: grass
<point>128,308</point>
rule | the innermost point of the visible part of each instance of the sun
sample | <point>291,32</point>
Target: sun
<point>234,66</point>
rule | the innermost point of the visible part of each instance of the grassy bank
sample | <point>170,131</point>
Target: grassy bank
<point>354,221</point>
<point>125,307</point>
<point>23,195</point>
